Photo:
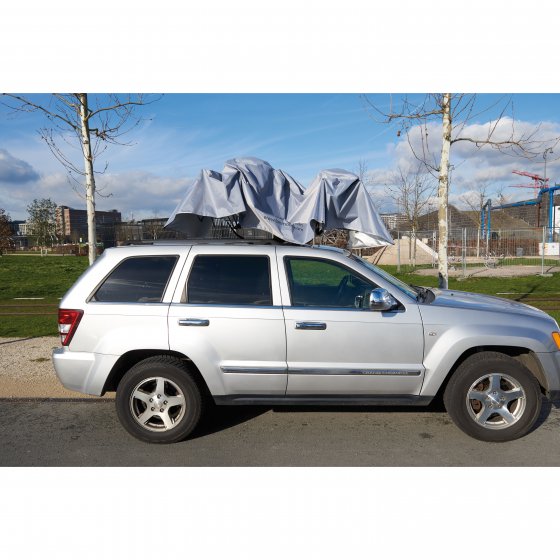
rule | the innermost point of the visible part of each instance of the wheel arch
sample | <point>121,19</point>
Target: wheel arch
<point>131,358</point>
<point>525,356</point>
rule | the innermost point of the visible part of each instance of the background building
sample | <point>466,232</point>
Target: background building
<point>394,221</point>
<point>71,225</point>
<point>20,240</point>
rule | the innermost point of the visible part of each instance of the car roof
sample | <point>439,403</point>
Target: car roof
<point>219,246</point>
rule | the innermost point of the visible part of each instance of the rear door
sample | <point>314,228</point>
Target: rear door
<point>227,317</point>
<point>128,308</point>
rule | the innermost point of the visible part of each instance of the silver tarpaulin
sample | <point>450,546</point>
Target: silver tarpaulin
<point>269,199</point>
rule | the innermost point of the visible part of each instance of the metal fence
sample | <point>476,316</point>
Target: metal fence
<point>536,250</point>
<point>470,250</point>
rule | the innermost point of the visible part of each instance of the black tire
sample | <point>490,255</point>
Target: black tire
<point>178,396</point>
<point>497,415</point>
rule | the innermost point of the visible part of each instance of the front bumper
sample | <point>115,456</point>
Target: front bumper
<point>550,362</point>
<point>84,372</point>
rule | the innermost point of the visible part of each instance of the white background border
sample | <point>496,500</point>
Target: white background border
<point>289,46</point>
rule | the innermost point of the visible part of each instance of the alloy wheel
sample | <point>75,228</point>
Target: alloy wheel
<point>496,401</point>
<point>157,404</point>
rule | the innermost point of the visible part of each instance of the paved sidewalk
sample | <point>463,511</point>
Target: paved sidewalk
<point>501,271</point>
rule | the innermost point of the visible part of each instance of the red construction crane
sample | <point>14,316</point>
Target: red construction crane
<point>538,182</point>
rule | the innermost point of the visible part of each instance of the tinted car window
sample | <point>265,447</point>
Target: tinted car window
<point>230,280</point>
<point>137,279</point>
<point>321,283</point>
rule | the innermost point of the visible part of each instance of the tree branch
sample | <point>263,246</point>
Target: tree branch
<point>35,107</point>
<point>120,105</point>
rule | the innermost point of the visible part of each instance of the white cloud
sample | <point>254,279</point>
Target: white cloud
<point>135,193</point>
<point>141,193</point>
<point>473,165</point>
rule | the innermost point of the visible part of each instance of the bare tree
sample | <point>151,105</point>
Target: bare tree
<point>412,190</point>
<point>5,231</point>
<point>501,195</point>
<point>152,227</point>
<point>362,172</point>
<point>475,200</point>
<point>74,117</point>
<point>454,112</point>
<point>367,179</point>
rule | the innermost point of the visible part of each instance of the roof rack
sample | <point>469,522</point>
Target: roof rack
<point>207,241</point>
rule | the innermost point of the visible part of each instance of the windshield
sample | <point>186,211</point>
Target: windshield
<point>408,290</point>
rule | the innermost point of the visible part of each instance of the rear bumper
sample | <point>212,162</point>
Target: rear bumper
<point>84,372</point>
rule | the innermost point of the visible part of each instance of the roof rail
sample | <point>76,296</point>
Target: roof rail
<point>332,248</point>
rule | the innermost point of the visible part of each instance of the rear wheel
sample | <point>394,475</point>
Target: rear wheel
<point>158,401</point>
<point>493,397</point>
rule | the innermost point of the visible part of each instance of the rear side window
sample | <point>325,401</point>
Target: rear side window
<point>137,280</point>
<point>230,280</point>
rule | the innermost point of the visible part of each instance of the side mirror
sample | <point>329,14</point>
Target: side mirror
<point>381,300</point>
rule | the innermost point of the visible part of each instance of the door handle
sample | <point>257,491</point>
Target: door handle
<point>306,326</point>
<point>193,322</point>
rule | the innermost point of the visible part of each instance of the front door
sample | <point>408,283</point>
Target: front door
<point>337,347</point>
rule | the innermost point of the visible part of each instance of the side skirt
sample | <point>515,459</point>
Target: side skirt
<point>322,400</point>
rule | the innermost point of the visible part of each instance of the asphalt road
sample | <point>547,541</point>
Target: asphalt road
<point>87,433</point>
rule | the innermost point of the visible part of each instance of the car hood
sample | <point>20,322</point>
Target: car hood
<point>479,302</point>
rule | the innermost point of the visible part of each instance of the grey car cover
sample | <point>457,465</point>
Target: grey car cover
<point>268,199</point>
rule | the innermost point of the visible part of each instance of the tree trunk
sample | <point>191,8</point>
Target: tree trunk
<point>90,179</point>
<point>413,242</point>
<point>478,243</point>
<point>443,194</point>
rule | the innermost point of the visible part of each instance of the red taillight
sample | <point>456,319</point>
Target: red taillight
<point>68,321</point>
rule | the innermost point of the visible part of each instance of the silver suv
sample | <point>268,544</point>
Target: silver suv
<point>172,328</point>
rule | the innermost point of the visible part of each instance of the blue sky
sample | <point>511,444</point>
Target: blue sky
<point>300,133</point>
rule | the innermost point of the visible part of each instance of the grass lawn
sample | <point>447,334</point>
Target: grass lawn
<point>538,291</point>
<point>50,277</point>
<point>33,276</point>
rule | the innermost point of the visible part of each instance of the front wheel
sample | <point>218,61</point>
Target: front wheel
<point>493,397</point>
<point>158,401</point>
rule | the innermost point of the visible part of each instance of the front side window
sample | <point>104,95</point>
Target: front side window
<point>137,280</point>
<point>321,283</point>
<point>399,284</point>
<point>230,280</point>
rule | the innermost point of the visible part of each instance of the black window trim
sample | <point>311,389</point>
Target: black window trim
<point>185,291</point>
<point>160,302</point>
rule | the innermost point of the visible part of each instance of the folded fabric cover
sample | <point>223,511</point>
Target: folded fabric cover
<point>269,199</point>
